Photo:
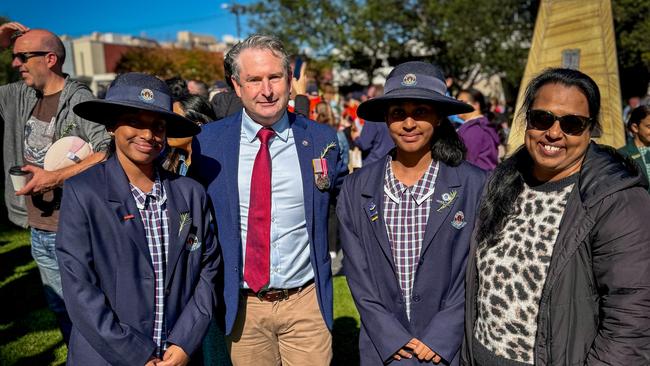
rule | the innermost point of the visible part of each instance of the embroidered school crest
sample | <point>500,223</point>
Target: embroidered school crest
<point>459,220</point>
<point>192,243</point>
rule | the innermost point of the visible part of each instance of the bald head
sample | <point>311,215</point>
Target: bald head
<point>44,40</point>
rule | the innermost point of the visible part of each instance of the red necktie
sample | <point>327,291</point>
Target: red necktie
<point>258,237</point>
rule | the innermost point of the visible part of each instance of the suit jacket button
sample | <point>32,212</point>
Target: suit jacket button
<point>416,298</point>
<point>166,292</point>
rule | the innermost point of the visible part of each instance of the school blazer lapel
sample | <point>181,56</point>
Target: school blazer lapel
<point>123,204</point>
<point>373,205</point>
<point>178,236</point>
<point>305,149</point>
<point>446,195</point>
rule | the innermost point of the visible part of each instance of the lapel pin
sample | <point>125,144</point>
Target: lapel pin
<point>459,220</point>
<point>305,143</point>
<point>372,210</point>
<point>128,217</point>
<point>446,200</point>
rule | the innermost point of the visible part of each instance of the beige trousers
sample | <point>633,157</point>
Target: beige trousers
<point>290,332</point>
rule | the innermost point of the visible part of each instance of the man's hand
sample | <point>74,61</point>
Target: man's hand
<point>7,30</point>
<point>174,356</point>
<point>422,351</point>
<point>41,181</point>
<point>299,86</point>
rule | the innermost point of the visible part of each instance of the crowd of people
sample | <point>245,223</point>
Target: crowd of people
<point>200,226</point>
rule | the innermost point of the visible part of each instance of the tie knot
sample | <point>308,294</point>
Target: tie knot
<point>265,135</point>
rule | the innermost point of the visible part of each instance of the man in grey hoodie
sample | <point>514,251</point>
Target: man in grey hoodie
<point>35,113</point>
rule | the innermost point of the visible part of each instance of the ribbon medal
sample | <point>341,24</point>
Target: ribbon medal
<point>321,177</point>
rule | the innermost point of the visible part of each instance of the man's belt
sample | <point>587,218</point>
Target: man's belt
<point>273,294</point>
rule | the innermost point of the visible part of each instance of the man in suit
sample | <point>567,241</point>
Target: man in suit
<point>270,174</point>
<point>406,223</point>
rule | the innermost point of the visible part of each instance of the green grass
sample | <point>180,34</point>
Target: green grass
<point>29,334</point>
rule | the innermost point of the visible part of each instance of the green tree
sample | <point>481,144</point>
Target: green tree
<point>465,37</point>
<point>632,30</point>
<point>165,63</point>
<point>354,34</point>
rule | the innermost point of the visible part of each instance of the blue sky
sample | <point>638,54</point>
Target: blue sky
<point>159,19</point>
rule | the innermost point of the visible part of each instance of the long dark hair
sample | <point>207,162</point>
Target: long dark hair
<point>446,145</point>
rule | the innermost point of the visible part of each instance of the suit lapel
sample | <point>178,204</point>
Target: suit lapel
<point>229,159</point>
<point>176,205</point>
<point>446,183</point>
<point>373,206</point>
<point>126,212</point>
<point>305,148</point>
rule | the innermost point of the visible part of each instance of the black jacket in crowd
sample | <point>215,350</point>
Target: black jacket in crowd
<point>595,304</point>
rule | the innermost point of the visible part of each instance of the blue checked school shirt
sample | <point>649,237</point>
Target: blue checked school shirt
<point>290,264</point>
<point>153,211</point>
<point>406,212</point>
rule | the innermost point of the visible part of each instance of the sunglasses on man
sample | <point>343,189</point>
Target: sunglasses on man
<point>24,56</point>
<point>570,124</point>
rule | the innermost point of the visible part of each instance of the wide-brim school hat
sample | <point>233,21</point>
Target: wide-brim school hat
<point>134,92</point>
<point>413,80</point>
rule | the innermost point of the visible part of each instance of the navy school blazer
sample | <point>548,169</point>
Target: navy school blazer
<point>108,276</point>
<point>438,296</point>
<point>215,162</point>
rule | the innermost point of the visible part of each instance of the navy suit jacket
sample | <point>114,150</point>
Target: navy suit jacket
<point>108,276</point>
<point>215,161</point>
<point>438,296</point>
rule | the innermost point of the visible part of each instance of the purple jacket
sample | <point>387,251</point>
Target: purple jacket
<point>482,142</point>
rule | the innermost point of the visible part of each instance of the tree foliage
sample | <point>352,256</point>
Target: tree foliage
<point>465,37</point>
<point>632,29</point>
<point>166,63</point>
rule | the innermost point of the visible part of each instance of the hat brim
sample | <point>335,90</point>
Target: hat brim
<point>375,109</point>
<point>106,112</point>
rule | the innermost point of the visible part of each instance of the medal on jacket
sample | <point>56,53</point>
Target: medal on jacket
<point>321,177</point>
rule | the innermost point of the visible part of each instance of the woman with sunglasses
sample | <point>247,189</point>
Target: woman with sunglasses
<point>559,270</point>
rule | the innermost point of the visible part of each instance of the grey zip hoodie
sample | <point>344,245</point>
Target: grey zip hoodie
<point>17,101</point>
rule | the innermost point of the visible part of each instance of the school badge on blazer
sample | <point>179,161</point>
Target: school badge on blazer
<point>192,243</point>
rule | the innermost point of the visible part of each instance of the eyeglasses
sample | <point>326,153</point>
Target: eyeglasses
<point>570,124</point>
<point>24,56</point>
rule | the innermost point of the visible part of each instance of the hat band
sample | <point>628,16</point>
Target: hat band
<point>415,81</point>
<point>152,97</point>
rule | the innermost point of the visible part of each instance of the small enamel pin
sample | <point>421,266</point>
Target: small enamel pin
<point>372,211</point>
<point>193,243</point>
<point>128,217</point>
<point>459,220</point>
<point>184,219</point>
<point>305,143</point>
<point>446,200</point>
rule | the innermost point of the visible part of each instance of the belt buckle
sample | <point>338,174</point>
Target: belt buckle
<point>260,295</point>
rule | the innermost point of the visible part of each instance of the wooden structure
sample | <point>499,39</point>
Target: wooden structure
<point>576,34</point>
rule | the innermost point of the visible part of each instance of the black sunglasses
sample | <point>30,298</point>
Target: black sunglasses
<point>570,124</point>
<point>24,56</point>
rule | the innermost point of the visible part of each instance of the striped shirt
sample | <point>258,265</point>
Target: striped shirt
<point>153,211</point>
<point>406,212</point>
